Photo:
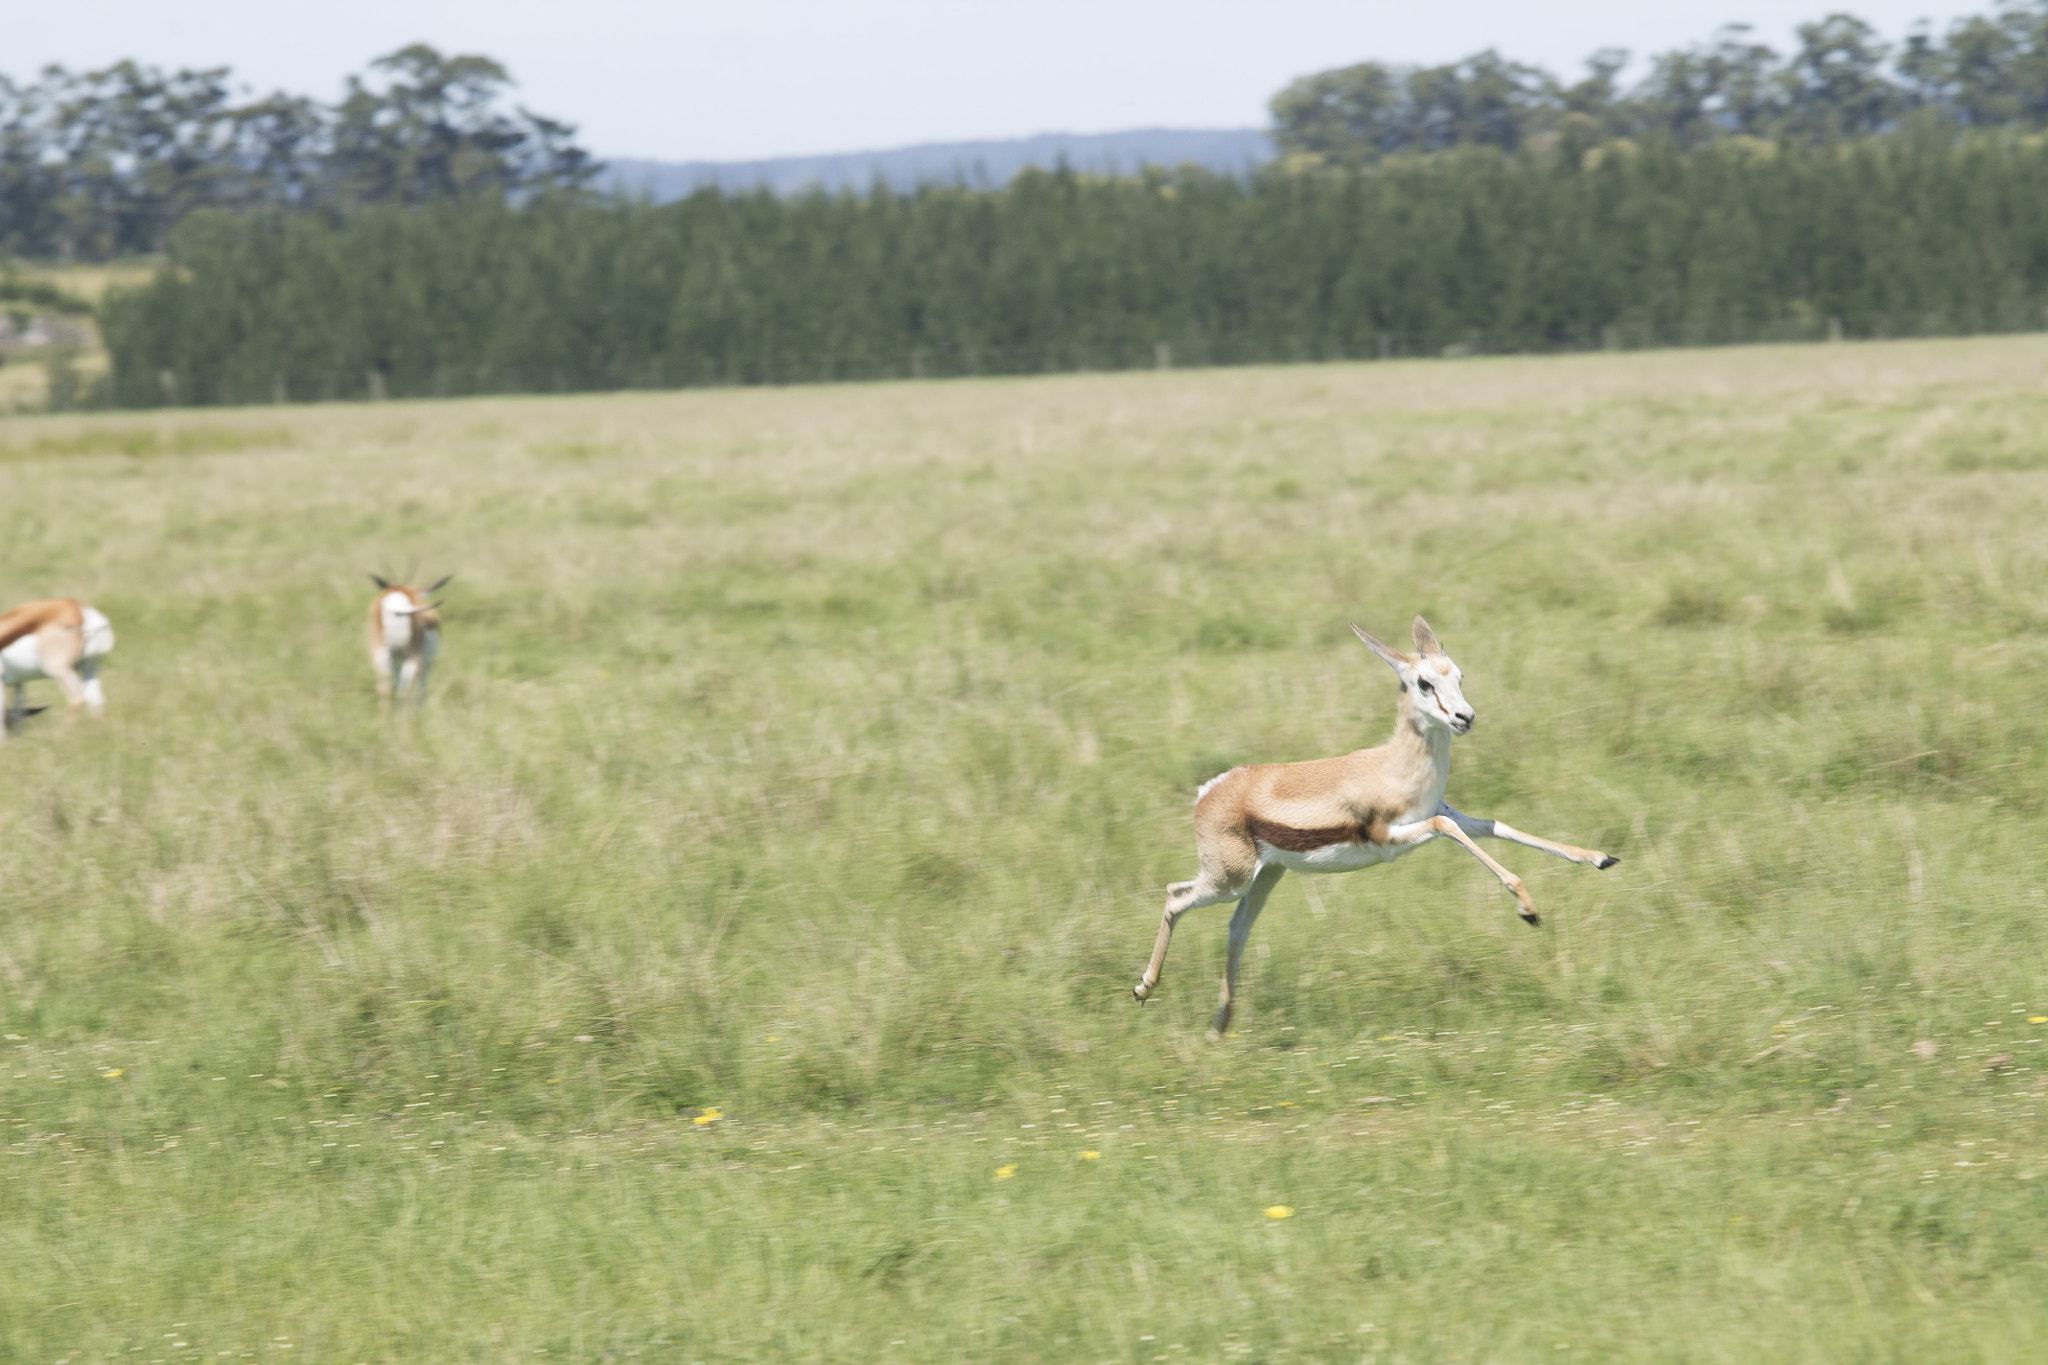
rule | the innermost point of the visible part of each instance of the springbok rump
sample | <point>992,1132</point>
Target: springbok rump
<point>1340,814</point>
<point>58,638</point>
<point>405,635</point>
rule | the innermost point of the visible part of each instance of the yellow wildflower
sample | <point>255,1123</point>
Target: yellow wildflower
<point>1279,1211</point>
<point>1005,1172</point>
<point>708,1116</point>
<point>115,1072</point>
<point>1091,1156</point>
<point>2037,1018</point>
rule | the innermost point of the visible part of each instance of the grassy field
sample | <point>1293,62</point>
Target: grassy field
<point>87,282</point>
<point>733,961</point>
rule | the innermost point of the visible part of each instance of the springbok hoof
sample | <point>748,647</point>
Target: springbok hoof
<point>1140,991</point>
<point>1531,918</point>
<point>1607,860</point>
<point>1214,1036</point>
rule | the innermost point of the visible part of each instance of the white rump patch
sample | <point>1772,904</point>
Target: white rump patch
<point>99,634</point>
<point>22,660</point>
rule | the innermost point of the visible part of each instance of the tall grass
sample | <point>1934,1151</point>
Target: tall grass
<point>732,961</point>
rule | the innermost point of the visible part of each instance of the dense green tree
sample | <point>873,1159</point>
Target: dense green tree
<point>430,127</point>
<point>1839,85</point>
<point>1471,249</point>
<point>1842,82</point>
<point>99,163</point>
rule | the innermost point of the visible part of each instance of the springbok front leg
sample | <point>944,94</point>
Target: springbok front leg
<point>18,710</point>
<point>423,665</point>
<point>380,663</point>
<point>1443,826</point>
<point>407,688</point>
<point>1248,908</point>
<point>1498,829</point>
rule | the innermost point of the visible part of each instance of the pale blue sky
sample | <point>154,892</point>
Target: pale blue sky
<point>756,78</point>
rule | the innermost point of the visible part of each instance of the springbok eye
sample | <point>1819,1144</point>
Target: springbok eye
<point>1425,684</point>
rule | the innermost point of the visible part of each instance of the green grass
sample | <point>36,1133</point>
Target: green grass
<point>818,757</point>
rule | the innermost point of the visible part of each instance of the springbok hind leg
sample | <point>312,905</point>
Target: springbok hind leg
<point>73,690</point>
<point>1241,923</point>
<point>1181,897</point>
<point>95,694</point>
<point>1230,859</point>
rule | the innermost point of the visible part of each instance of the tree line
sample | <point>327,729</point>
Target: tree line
<point>1468,250</point>
<point>104,163</point>
<point>433,243</point>
<point>1841,81</point>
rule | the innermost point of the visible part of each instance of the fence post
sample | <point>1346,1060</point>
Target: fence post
<point>1834,329</point>
<point>1162,356</point>
<point>1386,346</point>
<point>917,364</point>
<point>377,391</point>
<point>277,390</point>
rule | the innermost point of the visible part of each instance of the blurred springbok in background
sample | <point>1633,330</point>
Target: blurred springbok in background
<point>59,638</point>
<point>405,634</point>
<point>1340,814</point>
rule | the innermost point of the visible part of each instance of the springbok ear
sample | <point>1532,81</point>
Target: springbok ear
<point>1392,657</point>
<point>441,582</point>
<point>1425,638</point>
<point>380,580</point>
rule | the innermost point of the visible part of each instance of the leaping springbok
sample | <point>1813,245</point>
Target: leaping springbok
<point>1340,814</point>
<point>405,634</point>
<point>58,638</point>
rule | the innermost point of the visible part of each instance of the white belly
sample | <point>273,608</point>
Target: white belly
<point>1330,857</point>
<point>21,661</point>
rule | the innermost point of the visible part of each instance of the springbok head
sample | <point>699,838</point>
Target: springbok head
<point>1429,676</point>
<point>416,599</point>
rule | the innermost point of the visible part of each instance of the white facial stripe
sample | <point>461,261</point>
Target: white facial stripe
<point>1438,684</point>
<point>397,609</point>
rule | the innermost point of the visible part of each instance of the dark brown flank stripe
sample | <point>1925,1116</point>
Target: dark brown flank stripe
<point>22,621</point>
<point>1291,840</point>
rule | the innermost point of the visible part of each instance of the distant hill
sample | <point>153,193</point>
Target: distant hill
<point>1228,150</point>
